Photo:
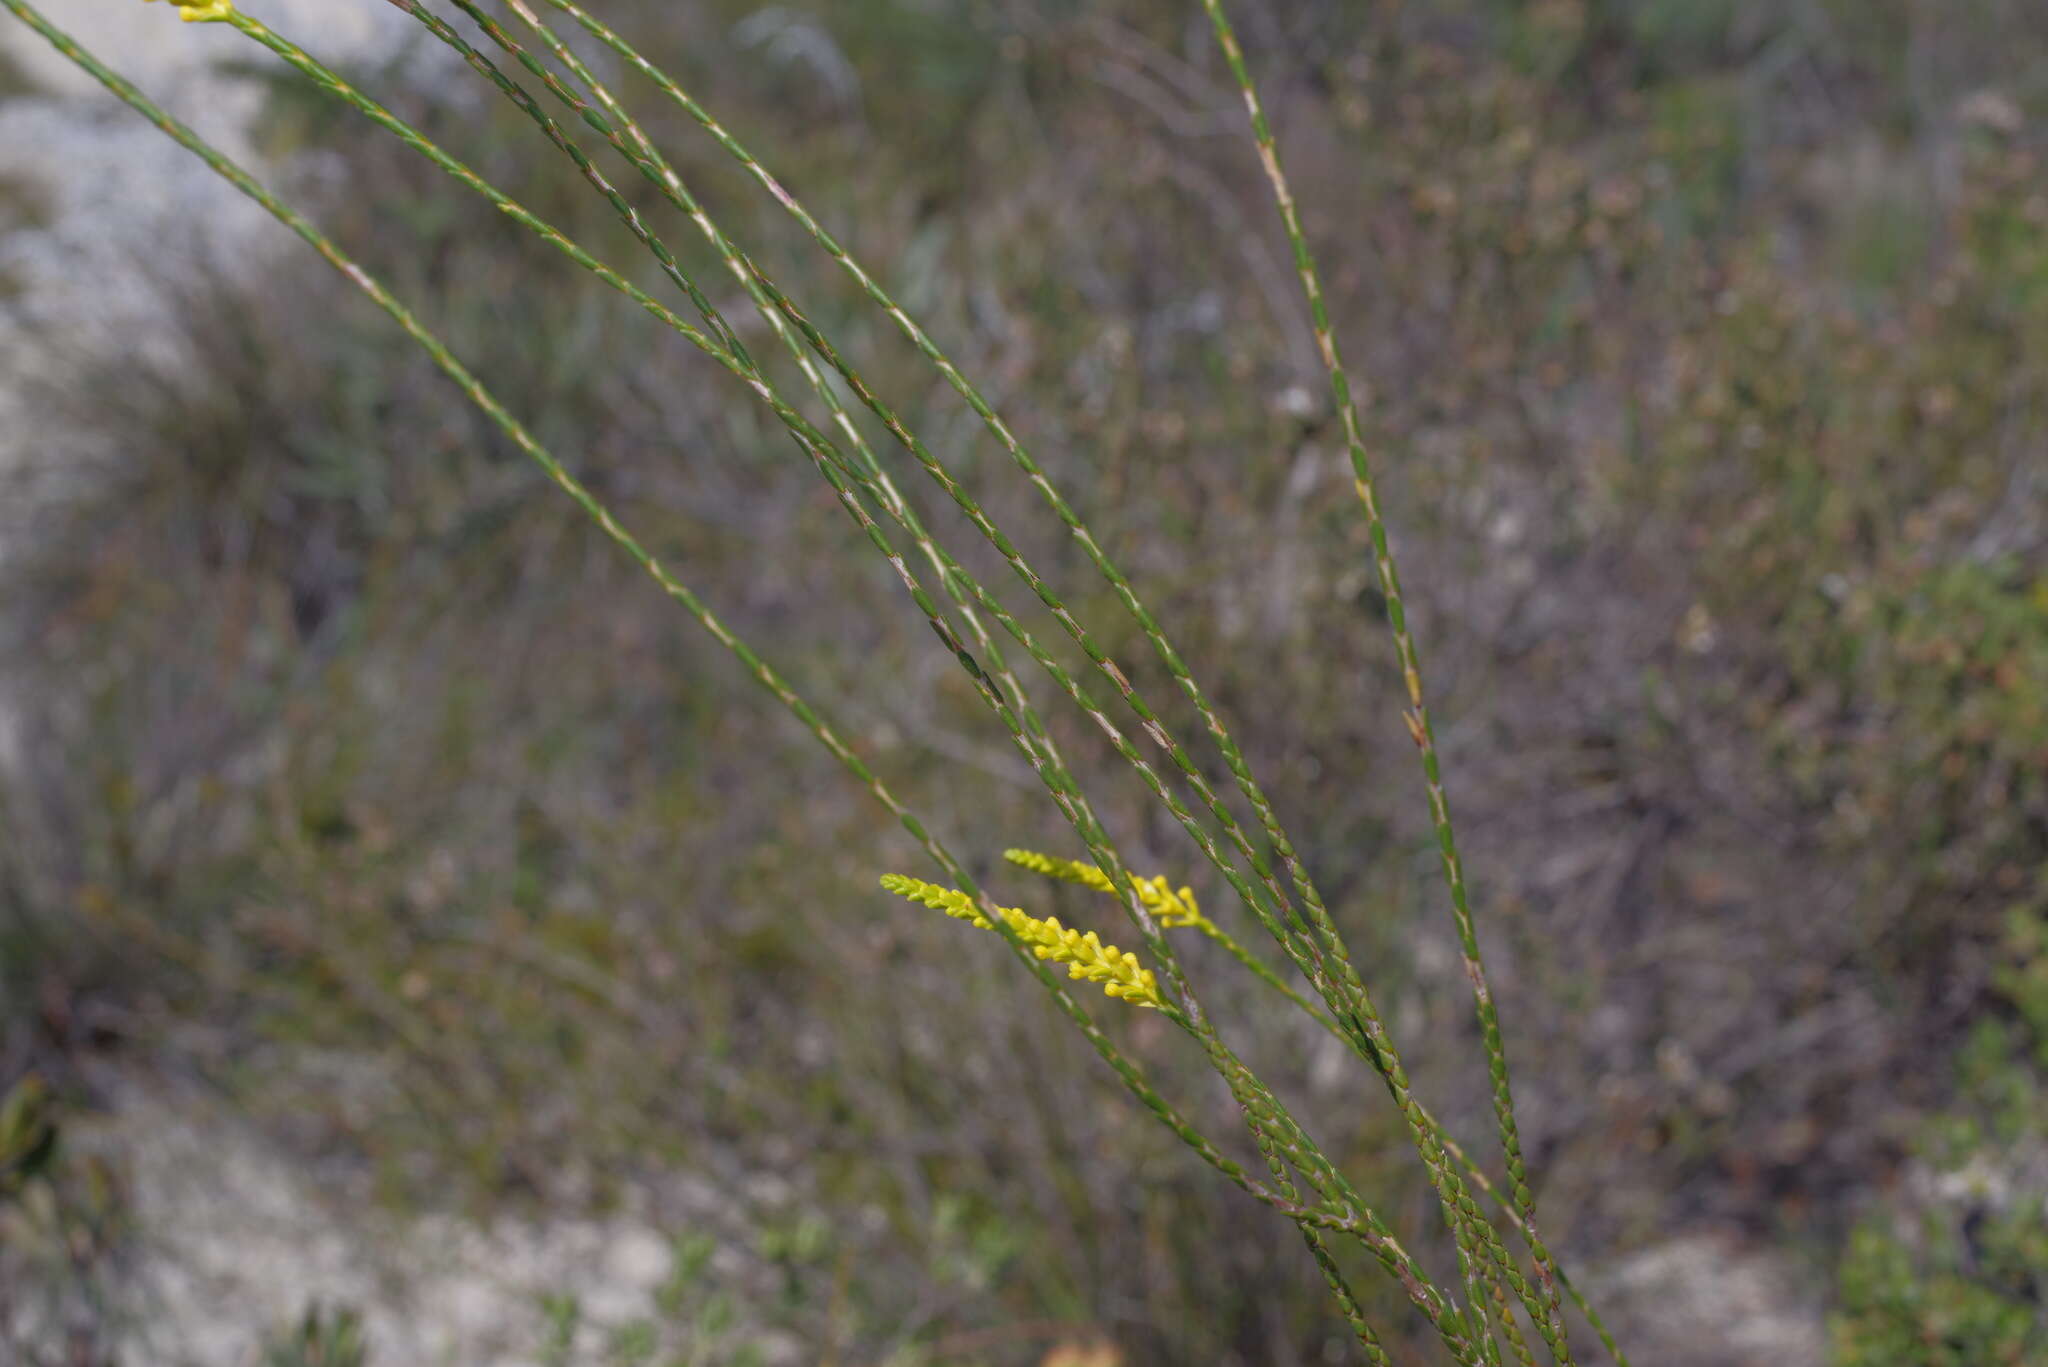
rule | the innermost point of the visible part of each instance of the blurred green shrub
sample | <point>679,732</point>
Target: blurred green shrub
<point>323,1337</point>
<point>1963,1279</point>
<point>28,1135</point>
<point>63,1224</point>
<point>1944,1299</point>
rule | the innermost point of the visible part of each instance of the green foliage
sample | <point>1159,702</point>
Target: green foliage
<point>564,1316</point>
<point>2023,976</point>
<point>323,1337</point>
<point>1965,1280</point>
<point>1940,1300</point>
<point>28,1135</point>
<point>13,80</point>
<point>64,1222</point>
<point>22,205</point>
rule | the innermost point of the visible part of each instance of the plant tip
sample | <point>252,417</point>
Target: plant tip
<point>202,11</point>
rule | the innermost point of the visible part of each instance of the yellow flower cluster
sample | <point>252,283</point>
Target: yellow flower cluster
<point>1172,908</point>
<point>202,11</point>
<point>1084,955</point>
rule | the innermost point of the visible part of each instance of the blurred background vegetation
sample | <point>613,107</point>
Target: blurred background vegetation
<point>1707,343</point>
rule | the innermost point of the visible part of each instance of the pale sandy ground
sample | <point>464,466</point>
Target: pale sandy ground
<point>119,192</point>
<point>118,202</point>
<point>235,1235</point>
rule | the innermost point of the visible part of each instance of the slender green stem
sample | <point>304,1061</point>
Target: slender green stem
<point>1347,1300</point>
<point>1419,724</point>
<point>1502,1265</point>
<point>1333,1276</point>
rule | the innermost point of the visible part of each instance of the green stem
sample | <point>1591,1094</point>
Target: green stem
<point>1420,725</point>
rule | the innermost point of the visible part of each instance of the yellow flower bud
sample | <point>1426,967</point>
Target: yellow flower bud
<point>1173,908</point>
<point>202,11</point>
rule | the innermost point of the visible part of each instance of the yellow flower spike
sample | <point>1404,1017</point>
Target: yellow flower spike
<point>1052,866</point>
<point>1084,954</point>
<point>958,905</point>
<point>1173,909</point>
<point>202,11</point>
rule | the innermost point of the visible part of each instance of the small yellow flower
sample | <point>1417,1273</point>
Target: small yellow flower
<point>1172,908</point>
<point>1084,954</point>
<point>202,11</point>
